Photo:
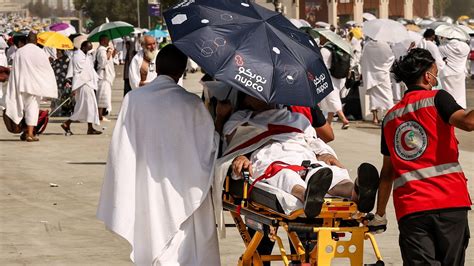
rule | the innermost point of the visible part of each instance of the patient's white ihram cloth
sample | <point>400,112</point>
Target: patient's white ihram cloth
<point>159,175</point>
<point>273,135</point>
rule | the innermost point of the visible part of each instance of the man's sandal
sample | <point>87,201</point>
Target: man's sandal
<point>67,130</point>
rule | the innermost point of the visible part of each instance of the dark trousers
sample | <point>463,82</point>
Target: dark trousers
<point>126,86</point>
<point>434,238</point>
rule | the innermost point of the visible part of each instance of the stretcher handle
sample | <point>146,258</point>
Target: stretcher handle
<point>300,228</point>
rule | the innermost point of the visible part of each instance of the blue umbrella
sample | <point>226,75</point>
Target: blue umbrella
<point>157,33</point>
<point>251,48</point>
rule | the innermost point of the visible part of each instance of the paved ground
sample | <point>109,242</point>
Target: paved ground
<point>45,225</point>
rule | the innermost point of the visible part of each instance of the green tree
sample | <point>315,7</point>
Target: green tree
<point>440,7</point>
<point>124,10</point>
<point>459,8</point>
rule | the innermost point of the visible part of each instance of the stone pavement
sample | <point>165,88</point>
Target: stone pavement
<point>41,224</point>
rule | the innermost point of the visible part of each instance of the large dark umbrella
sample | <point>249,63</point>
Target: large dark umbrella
<point>255,50</point>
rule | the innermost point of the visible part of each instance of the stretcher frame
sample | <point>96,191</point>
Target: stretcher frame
<point>338,217</point>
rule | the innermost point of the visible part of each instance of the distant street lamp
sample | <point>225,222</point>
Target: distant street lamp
<point>138,12</point>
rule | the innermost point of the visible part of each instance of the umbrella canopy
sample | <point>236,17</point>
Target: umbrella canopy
<point>436,24</point>
<point>300,23</point>
<point>314,34</point>
<point>463,18</point>
<point>385,30</point>
<point>467,29</point>
<point>114,30</point>
<point>413,27</point>
<point>251,48</point>
<point>412,37</point>
<point>322,24</point>
<point>55,40</point>
<point>425,23</point>
<point>157,33</point>
<point>452,32</point>
<point>368,16</point>
<point>78,40</point>
<point>336,40</point>
<point>446,19</point>
<point>63,28</point>
<point>351,23</point>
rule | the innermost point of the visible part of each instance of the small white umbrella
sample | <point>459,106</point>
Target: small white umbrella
<point>411,37</point>
<point>321,24</point>
<point>368,16</point>
<point>467,29</point>
<point>452,32</point>
<point>385,30</point>
<point>351,23</point>
<point>336,40</point>
<point>300,23</point>
<point>79,40</point>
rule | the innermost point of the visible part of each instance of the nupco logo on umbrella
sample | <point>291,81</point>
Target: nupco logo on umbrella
<point>320,82</point>
<point>247,77</point>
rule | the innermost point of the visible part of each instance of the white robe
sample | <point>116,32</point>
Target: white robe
<point>134,71</point>
<point>158,177</point>
<point>434,50</point>
<point>106,72</point>
<point>84,83</point>
<point>376,60</point>
<point>3,58</point>
<point>31,74</point>
<point>453,75</point>
<point>357,49</point>
<point>332,102</point>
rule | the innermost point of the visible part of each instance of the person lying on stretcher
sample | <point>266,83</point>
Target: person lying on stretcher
<point>275,142</point>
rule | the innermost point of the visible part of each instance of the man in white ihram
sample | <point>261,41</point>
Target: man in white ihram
<point>142,68</point>
<point>84,84</point>
<point>453,75</point>
<point>428,43</point>
<point>106,71</point>
<point>376,60</point>
<point>31,78</point>
<point>156,190</point>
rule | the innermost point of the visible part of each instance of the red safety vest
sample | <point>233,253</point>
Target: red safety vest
<point>424,153</point>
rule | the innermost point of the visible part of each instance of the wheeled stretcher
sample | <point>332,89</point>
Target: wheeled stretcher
<point>338,232</point>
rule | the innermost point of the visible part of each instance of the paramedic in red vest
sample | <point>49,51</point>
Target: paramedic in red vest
<point>420,162</point>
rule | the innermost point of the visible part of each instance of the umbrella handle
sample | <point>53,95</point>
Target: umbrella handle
<point>57,108</point>
<point>228,94</point>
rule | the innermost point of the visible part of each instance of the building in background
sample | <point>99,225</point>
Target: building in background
<point>66,5</point>
<point>13,7</point>
<point>334,11</point>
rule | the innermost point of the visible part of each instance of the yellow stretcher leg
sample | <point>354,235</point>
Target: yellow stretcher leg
<point>371,237</point>
<point>250,256</point>
<point>282,250</point>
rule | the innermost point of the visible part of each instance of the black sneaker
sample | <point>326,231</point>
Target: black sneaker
<point>366,186</point>
<point>318,186</point>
